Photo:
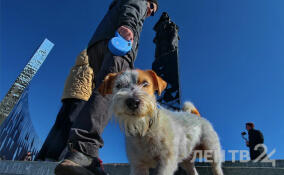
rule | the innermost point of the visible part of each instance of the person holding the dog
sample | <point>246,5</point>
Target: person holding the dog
<point>125,17</point>
<point>77,91</point>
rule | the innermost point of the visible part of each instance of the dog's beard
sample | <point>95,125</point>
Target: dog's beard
<point>134,123</point>
<point>135,126</point>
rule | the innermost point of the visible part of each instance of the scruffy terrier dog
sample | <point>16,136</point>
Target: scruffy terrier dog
<point>156,137</point>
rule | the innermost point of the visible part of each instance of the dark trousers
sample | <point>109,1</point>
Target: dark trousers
<point>85,135</point>
<point>254,154</point>
<point>57,138</point>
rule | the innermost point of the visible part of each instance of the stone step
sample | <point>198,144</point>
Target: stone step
<point>229,168</point>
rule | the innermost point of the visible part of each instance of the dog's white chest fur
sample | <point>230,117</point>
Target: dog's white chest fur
<point>168,137</point>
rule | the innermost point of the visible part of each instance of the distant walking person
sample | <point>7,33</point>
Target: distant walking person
<point>28,157</point>
<point>77,91</point>
<point>255,138</point>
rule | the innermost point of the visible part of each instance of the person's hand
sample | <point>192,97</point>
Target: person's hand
<point>126,33</point>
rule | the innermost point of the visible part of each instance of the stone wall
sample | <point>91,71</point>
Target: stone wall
<point>47,168</point>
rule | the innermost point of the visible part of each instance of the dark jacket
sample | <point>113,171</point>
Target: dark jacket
<point>255,137</point>
<point>130,13</point>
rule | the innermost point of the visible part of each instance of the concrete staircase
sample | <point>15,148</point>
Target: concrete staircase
<point>230,168</point>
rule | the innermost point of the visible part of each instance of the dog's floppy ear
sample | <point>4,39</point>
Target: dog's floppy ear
<point>107,84</point>
<point>159,84</point>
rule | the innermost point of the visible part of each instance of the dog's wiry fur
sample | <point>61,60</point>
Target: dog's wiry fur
<point>156,137</point>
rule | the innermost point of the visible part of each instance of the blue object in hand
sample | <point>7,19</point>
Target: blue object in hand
<point>119,46</point>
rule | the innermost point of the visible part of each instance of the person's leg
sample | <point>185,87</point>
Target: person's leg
<point>85,137</point>
<point>57,138</point>
<point>253,153</point>
<point>86,132</point>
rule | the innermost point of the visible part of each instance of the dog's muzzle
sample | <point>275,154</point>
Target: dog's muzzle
<point>132,103</point>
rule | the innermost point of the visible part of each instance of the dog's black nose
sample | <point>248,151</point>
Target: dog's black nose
<point>132,103</point>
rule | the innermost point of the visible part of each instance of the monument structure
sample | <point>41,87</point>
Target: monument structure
<point>166,63</point>
<point>17,134</point>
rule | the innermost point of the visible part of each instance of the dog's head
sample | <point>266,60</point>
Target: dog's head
<point>134,102</point>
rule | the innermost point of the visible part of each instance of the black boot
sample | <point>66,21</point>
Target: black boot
<point>76,163</point>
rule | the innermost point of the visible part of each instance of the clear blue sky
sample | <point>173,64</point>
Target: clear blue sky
<point>231,61</point>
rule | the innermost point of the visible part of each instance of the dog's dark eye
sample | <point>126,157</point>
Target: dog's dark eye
<point>145,84</point>
<point>122,85</point>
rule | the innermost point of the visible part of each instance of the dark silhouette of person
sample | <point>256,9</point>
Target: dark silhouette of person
<point>255,138</point>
